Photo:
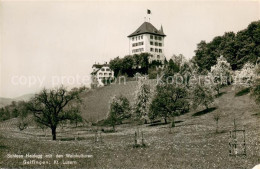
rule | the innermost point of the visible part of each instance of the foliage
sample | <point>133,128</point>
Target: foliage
<point>171,68</point>
<point>221,73</point>
<point>246,75</point>
<point>169,101</point>
<point>202,95</point>
<point>238,48</point>
<point>119,110</point>
<point>51,107</point>
<point>255,90</point>
<point>130,64</point>
<point>142,100</point>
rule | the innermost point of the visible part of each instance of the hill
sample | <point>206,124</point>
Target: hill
<point>96,102</point>
<point>5,101</point>
<point>193,143</point>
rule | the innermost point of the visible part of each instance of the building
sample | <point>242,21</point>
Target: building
<point>101,72</point>
<point>148,39</point>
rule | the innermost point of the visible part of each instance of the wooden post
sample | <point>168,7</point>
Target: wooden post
<point>235,138</point>
<point>135,138</point>
<point>230,142</point>
<point>100,137</point>
<point>95,138</point>
<point>142,138</point>
<point>244,132</point>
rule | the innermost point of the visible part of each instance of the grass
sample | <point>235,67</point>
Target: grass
<point>243,92</point>
<point>220,94</point>
<point>96,102</point>
<point>200,113</point>
<point>192,144</point>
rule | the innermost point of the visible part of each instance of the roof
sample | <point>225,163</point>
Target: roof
<point>147,27</point>
<point>100,65</point>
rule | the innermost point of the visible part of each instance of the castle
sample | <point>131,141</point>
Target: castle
<point>148,39</point>
<point>145,39</point>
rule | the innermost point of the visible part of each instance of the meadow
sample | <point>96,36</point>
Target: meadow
<point>193,143</point>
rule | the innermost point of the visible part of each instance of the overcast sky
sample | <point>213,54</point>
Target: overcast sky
<point>50,40</point>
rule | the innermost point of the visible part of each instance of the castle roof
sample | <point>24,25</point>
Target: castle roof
<point>147,27</point>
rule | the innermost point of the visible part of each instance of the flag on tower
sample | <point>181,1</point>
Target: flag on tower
<point>149,11</point>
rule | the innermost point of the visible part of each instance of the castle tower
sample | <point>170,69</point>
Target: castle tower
<point>148,39</point>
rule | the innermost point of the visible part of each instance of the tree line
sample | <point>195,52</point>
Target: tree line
<point>238,48</point>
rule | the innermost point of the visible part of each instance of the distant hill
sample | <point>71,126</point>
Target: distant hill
<point>7,101</point>
<point>25,97</point>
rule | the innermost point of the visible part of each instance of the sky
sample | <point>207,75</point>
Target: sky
<point>48,43</point>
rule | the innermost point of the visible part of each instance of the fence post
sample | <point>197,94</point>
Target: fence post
<point>135,138</point>
<point>142,138</point>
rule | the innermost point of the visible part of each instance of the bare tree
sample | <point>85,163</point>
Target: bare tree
<point>216,117</point>
<point>50,107</point>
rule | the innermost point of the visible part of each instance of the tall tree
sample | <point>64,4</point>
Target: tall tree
<point>202,95</point>
<point>50,107</point>
<point>221,73</point>
<point>142,100</point>
<point>119,110</point>
<point>169,101</point>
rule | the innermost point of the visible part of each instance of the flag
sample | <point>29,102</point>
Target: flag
<point>149,11</point>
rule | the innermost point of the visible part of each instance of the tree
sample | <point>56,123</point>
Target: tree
<point>255,90</point>
<point>142,101</point>
<point>119,110</point>
<point>221,73</point>
<point>246,75</point>
<point>169,101</point>
<point>202,95</point>
<point>238,48</point>
<point>50,107</point>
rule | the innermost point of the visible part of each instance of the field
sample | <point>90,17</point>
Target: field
<point>193,143</point>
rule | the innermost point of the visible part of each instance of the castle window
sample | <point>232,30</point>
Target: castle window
<point>141,36</point>
<point>155,37</point>
<point>102,69</point>
<point>110,74</point>
<point>151,36</point>
<point>160,44</point>
<point>158,56</point>
<point>159,38</point>
<point>107,69</point>
<point>100,74</point>
<point>133,38</point>
<point>160,50</point>
<point>156,50</point>
<point>151,43</point>
<point>156,43</point>
<point>151,49</point>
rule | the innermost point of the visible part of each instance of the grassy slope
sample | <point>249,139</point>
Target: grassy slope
<point>96,102</point>
<point>193,143</point>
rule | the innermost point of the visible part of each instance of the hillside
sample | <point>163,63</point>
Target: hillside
<point>7,101</point>
<point>193,143</point>
<point>96,102</point>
